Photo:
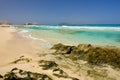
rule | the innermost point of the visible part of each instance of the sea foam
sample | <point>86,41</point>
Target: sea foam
<point>29,36</point>
<point>100,28</point>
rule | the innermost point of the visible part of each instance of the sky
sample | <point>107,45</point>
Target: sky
<point>60,11</point>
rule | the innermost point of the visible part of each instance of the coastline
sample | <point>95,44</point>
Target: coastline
<point>25,54</point>
<point>13,46</point>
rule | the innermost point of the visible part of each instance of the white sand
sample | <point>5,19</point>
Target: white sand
<point>13,46</point>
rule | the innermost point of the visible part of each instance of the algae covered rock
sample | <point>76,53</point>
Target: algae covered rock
<point>18,74</point>
<point>59,73</point>
<point>75,78</point>
<point>47,64</point>
<point>84,47</point>
<point>22,59</point>
<point>11,76</point>
<point>104,56</point>
<point>93,54</point>
<point>57,46</point>
<point>1,76</point>
<point>60,48</point>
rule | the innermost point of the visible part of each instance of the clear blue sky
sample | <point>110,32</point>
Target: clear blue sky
<point>57,11</point>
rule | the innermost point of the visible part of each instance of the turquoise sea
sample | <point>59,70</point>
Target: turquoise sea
<point>95,34</point>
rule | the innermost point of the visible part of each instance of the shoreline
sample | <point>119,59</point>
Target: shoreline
<point>13,46</point>
<point>27,55</point>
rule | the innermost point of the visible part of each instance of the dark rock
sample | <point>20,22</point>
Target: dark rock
<point>1,76</point>
<point>47,64</point>
<point>14,69</point>
<point>59,73</point>
<point>75,78</point>
<point>10,76</point>
<point>22,59</point>
<point>60,48</point>
<point>18,74</point>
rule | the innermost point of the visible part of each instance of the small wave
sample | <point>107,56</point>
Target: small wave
<point>23,31</point>
<point>93,28</point>
<point>43,27</point>
<point>29,36</point>
<point>34,38</point>
<point>44,42</point>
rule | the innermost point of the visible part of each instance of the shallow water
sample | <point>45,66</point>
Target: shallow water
<point>75,34</point>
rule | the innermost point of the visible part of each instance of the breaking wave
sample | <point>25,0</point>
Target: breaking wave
<point>101,28</point>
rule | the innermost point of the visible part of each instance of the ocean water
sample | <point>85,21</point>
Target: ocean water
<point>95,34</point>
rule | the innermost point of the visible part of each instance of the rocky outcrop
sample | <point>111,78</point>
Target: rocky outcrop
<point>56,71</point>
<point>93,54</point>
<point>70,63</point>
<point>18,74</point>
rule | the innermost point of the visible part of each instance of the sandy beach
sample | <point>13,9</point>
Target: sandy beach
<point>5,36</point>
<point>19,53</point>
<point>13,46</point>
